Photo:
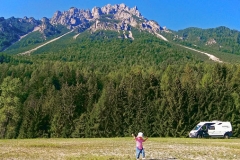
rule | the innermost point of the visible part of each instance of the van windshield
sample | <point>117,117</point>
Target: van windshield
<point>197,127</point>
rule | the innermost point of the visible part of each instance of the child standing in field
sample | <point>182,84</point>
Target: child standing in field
<point>139,146</point>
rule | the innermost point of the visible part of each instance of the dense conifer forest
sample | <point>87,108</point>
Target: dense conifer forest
<point>100,86</point>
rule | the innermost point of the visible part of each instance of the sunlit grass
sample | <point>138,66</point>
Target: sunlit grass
<point>119,148</point>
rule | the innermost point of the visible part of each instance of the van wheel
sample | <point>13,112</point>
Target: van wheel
<point>226,136</point>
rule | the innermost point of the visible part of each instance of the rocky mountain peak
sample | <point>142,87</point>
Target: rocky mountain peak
<point>112,17</point>
<point>96,12</point>
<point>45,24</point>
<point>73,10</point>
<point>118,8</point>
<point>2,19</point>
<point>118,17</point>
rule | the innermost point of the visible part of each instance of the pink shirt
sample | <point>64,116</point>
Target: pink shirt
<point>139,141</point>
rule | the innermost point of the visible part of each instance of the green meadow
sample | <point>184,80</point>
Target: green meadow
<point>119,149</point>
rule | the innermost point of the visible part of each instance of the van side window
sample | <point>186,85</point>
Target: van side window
<point>225,126</point>
<point>211,127</point>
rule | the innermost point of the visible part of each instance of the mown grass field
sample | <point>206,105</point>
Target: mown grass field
<point>119,149</point>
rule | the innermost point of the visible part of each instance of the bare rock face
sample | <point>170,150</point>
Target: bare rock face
<point>1,29</point>
<point>30,20</point>
<point>46,28</point>
<point>151,26</point>
<point>56,17</point>
<point>45,23</point>
<point>103,26</point>
<point>87,14</point>
<point>108,9</point>
<point>121,15</point>
<point>211,41</point>
<point>110,17</point>
<point>96,12</point>
<point>73,11</point>
<point>72,18</point>
<point>135,12</point>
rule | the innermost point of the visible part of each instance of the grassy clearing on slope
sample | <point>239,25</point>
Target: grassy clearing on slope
<point>119,148</point>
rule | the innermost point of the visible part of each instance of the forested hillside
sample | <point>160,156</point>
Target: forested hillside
<point>220,39</point>
<point>101,86</point>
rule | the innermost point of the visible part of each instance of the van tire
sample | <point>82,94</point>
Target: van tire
<point>226,136</point>
<point>199,136</point>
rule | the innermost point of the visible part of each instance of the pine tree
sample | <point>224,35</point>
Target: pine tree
<point>10,107</point>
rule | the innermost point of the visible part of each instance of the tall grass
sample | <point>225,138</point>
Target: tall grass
<point>119,148</point>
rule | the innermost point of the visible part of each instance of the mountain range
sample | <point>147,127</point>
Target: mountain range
<point>116,17</point>
<point>22,35</point>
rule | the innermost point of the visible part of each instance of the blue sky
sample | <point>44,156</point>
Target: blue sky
<point>174,14</point>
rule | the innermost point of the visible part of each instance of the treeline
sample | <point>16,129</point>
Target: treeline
<point>64,99</point>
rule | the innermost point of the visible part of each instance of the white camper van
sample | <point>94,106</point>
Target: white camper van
<point>212,129</point>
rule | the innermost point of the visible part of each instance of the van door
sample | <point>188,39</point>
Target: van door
<point>211,131</point>
<point>221,129</point>
<point>204,130</point>
<point>207,129</point>
<point>218,130</point>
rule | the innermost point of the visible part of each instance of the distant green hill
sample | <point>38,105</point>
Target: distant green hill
<point>114,43</point>
<point>110,46</point>
<point>220,39</point>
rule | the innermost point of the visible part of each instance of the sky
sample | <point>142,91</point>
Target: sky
<point>174,14</point>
